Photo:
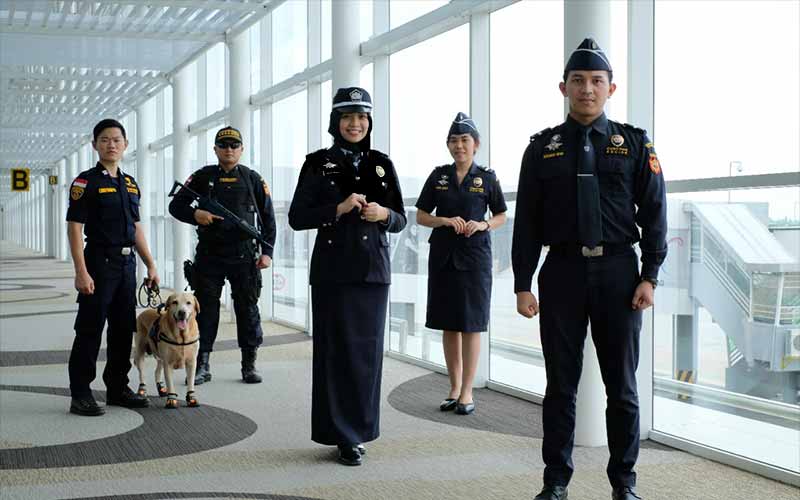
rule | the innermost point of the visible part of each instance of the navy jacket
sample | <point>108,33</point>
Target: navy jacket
<point>107,207</point>
<point>632,193</point>
<point>232,190</point>
<point>479,189</point>
<point>348,249</point>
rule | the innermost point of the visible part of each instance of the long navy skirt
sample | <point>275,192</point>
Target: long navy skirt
<point>349,322</point>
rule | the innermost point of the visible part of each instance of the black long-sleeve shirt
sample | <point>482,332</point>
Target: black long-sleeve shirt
<point>632,193</point>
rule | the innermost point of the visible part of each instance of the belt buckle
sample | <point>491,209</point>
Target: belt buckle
<point>592,252</point>
<point>126,251</point>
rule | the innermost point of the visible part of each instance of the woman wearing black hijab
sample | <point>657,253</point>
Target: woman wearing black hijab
<point>351,195</point>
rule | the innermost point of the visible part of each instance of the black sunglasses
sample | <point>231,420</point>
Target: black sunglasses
<point>229,145</point>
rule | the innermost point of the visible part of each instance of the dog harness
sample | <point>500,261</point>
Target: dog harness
<point>156,335</point>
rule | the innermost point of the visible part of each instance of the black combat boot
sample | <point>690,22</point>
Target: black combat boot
<point>249,373</point>
<point>203,373</point>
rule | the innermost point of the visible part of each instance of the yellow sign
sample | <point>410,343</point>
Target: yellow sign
<point>20,179</point>
<point>53,179</point>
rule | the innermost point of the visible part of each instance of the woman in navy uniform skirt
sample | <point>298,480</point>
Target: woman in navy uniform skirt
<point>460,259</point>
<point>351,195</point>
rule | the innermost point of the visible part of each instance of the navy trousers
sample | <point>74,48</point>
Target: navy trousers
<point>114,300</point>
<point>574,291</point>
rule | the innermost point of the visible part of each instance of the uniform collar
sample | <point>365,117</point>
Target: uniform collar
<point>600,124</point>
<point>473,169</point>
<point>101,169</point>
<point>234,170</point>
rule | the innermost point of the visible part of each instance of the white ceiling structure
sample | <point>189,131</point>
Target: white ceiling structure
<point>66,64</point>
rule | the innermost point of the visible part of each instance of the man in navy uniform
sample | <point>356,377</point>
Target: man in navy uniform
<point>225,251</point>
<point>104,204</point>
<point>584,187</point>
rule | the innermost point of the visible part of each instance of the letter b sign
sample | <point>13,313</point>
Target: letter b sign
<point>20,179</point>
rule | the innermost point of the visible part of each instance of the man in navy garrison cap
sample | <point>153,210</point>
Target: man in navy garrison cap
<point>586,189</point>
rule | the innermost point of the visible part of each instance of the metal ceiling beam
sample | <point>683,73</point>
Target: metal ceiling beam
<point>91,76</point>
<point>207,4</point>
<point>74,32</point>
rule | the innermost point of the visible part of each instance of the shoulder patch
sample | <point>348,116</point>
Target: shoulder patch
<point>266,187</point>
<point>78,188</point>
<point>540,133</point>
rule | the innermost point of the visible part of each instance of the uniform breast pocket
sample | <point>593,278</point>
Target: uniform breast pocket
<point>110,205</point>
<point>612,174</point>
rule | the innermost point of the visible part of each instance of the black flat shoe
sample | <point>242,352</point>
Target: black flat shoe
<point>86,407</point>
<point>349,454</point>
<point>552,493</point>
<point>465,409</point>
<point>625,493</point>
<point>448,404</point>
<point>128,399</point>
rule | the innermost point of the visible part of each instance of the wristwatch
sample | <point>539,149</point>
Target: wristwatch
<point>652,281</point>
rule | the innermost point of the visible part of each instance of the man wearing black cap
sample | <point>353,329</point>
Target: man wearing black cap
<point>225,251</point>
<point>584,187</point>
<point>104,205</point>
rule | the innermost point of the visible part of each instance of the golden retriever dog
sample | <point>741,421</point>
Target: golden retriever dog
<point>171,335</point>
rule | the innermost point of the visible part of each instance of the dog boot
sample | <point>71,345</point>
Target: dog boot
<point>249,373</point>
<point>203,373</point>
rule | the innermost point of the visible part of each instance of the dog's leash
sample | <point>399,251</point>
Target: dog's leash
<point>152,293</point>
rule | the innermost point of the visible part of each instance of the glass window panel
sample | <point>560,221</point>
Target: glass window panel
<point>167,110</point>
<point>760,64</point>
<point>326,34</point>
<point>524,97</point>
<point>289,38</point>
<point>325,112</point>
<point>290,268</point>
<point>255,58</point>
<point>215,79</point>
<point>403,11</point>
<point>421,112</point>
<point>725,321</point>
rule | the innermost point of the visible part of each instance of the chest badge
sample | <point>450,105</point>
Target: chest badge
<point>555,143</point>
<point>617,140</point>
<point>329,165</point>
<point>380,171</point>
<point>477,182</point>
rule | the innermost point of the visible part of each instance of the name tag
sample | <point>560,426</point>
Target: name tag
<point>229,179</point>
<point>547,156</point>
<point>475,190</point>
<point>107,190</point>
<point>133,190</point>
<point>612,150</point>
<point>442,188</point>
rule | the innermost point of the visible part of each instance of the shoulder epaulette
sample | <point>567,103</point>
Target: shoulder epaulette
<point>486,169</point>
<point>317,153</point>
<point>378,154</point>
<point>540,133</point>
<point>634,128</point>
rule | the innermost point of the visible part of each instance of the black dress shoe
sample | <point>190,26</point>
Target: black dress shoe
<point>128,399</point>
<point>86,406</point>
<point>552,493</point>
<point>465,408</point>
<point>448,404</point>
<point>361,449</point>
<point>625,493</point>
<point>349,454</point>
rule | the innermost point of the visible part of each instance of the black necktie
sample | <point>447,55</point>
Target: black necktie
<point>590,224</point>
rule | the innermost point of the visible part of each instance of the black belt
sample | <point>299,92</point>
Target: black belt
<point>602,250</point>
<point>113,251</point>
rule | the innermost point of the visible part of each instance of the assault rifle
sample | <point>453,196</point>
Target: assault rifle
<point>213,206</point>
